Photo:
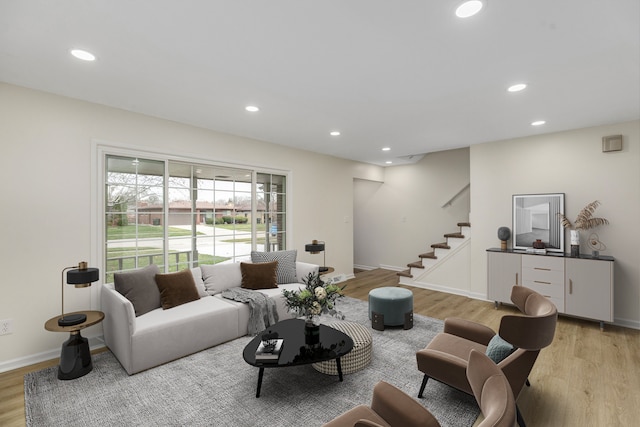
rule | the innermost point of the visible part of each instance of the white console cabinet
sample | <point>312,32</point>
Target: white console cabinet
<point>581,287</point>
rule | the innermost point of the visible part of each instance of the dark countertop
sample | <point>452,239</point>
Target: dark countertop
<point>553,254</point>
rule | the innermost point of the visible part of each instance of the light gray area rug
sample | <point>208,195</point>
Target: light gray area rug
<point>215,387</point>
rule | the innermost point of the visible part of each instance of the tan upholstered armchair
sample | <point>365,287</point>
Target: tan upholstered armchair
<point>446,357</point>
<point>391,407</point>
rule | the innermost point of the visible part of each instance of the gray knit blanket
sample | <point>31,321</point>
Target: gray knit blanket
<point>262,309</point>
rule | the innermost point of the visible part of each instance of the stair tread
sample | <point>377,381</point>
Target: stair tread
<point>430,255</point>
<point>455,235</point>
<point>441,246</point>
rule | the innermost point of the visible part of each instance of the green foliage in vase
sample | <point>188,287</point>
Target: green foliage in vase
<point>585,219</point>
<point>316,298</point>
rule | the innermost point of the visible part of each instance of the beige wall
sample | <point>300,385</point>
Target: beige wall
<point>45,177</point>
<point>398,219</point>
<point>572,163</point>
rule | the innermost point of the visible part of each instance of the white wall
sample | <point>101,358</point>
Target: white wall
<point>45,175</point>
<point>398,219</point>
<point>572,163</point>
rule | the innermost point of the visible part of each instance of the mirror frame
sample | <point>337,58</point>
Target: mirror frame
<point>525,218</point>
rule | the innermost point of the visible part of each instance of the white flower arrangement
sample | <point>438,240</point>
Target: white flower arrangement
<point>318,297</point>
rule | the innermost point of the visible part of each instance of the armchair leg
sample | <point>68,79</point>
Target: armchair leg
<point>519,417</point>
<point>528,383</point>
<point>424,384</point>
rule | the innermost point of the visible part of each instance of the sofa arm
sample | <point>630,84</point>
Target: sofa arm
<point>119,324</point>
<point>303,269</point>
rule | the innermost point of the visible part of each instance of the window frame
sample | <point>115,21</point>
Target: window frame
<point>101,150</point>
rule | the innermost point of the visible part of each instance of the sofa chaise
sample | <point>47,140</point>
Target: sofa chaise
<point>142,334</point>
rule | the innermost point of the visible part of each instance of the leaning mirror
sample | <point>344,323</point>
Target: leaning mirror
<point>535,217</point>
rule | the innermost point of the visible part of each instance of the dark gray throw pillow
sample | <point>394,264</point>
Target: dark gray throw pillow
<point>286,270</point>
<point>139,287</point>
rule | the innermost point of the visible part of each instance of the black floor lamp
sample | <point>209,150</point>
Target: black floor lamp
<point>315,247</point>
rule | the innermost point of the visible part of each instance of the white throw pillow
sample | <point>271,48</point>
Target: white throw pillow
<point>197,277</point>
<point>219,277</point>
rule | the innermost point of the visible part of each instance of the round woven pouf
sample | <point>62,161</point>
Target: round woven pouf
<point>357,358</point>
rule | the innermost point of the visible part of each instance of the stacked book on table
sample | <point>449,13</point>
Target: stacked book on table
<point>269,351</point>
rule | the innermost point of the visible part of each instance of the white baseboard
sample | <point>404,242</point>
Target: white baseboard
<point>363,267</point>
<point>448,290</point>
<point>392,268</point>
<point>627,323</point>
<point>21,362</point>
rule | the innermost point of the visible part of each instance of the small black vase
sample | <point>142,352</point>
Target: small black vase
<point>311,333</point>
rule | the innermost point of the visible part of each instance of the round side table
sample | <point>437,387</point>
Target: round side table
<point>75,357</point>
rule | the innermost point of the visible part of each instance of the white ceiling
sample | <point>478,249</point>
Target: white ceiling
<point>404,74</point>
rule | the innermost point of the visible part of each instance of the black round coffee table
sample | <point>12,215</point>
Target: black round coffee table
<point>332,344</point>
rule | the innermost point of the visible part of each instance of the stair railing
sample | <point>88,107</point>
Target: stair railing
<point>455,196</point>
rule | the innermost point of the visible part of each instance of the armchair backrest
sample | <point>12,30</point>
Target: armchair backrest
<point>529,333</point>
<point>535,329</point>
<point>492,391</point>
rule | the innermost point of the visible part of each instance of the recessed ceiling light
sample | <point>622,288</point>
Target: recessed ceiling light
<point>386,149</point>
<point>83,54</point>
<point>469,8</point>
<point>517,87</point>
<point>538,123</point>
<point>388,162</point>
<point>252,108</point>
<point>335,133</point>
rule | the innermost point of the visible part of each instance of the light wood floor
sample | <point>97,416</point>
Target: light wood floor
<point>585,378</point>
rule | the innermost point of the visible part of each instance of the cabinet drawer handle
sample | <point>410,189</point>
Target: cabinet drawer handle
<point>547,296</point>
<point>516,278</point>
<point>543,269</point>
<point>544,283</point>
<point>570,286</point>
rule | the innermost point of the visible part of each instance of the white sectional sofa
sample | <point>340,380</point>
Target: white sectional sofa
<point>162,335</point>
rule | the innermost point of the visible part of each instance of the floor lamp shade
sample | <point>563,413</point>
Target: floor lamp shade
<point>81,277</point>
<point>315,247</point>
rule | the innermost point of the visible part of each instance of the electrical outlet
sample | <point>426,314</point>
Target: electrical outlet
<point>6,326</point>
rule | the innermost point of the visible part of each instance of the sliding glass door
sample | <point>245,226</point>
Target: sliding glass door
<point>179,215</point>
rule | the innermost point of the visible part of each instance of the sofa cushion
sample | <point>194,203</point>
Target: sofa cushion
<point>286,271</point>
<point>259,276</point>
<point>176,288</point>
<point>197,278</point>
<point>498,349</point>
<point>219,277</point>
<point>139,287</point>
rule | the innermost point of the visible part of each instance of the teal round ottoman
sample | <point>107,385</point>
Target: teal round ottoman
<point>390,306</point>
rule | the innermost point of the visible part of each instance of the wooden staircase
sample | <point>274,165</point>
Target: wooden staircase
<point>432,255</point>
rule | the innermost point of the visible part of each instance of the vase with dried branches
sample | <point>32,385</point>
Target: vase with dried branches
<point>584,221</point>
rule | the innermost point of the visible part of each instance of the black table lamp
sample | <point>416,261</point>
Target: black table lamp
<point>81,277</point>
<point>315,248</point>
